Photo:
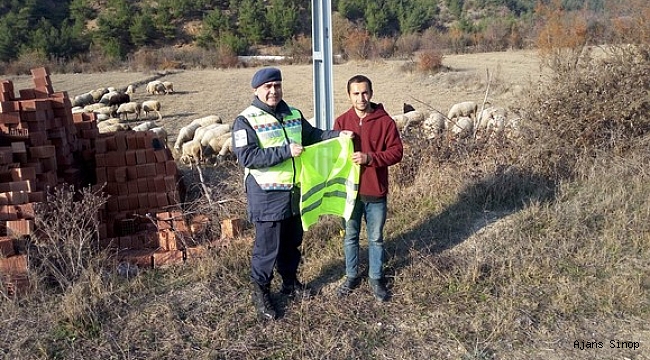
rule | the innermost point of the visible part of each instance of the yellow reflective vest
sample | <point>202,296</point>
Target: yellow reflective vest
<point>270,133</point>
<point>329,180</point>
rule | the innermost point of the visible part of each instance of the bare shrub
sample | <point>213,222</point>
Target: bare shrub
<point>299,49</point>
<point>358,44</point>
<point>382,48</point>
<point>596,109</point>
<point>67,237</point>
<point>27,61</point>
<point>406,45</point>
<point>429,62</point>
<point>341,28</point>
<point>562,38</point>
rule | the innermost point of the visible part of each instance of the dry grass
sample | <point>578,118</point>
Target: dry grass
<point>496,250</point>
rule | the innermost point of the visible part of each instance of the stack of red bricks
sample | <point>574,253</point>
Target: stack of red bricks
<point>37,142</point>
<point>42,144</point>
<point>144,220</point>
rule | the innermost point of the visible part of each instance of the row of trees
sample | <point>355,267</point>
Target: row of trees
<point>68,29</point>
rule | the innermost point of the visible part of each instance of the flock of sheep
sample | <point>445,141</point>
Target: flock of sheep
<point>207,139</point>
<point>204,139</point>
<point>110,102</point>
<point>463,120</point>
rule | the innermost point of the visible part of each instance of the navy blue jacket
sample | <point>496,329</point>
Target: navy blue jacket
<point>273,205</point>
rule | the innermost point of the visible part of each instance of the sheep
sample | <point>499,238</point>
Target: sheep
<point>186,133</point>
<point>489,114</point>
<point>466,108</point>
<point>155,87</point>
<point>130,89</point>
<point>129,108</point>
<point>147,125</point>
<point>160,133</point>
<point>105,112</point>
<point>198,133</point>
<point>226,148</point>
<point>410,119</point>
<point>218,130</point>
<point>169,87</point>
<point>434,125</point>
<point>97,94</point>
<point>151,106</point>
<point>208,120</point>
<point>463,127</point>
<point>215,145</point>
<point>115,98</point>
<point>93,107</point>
<point>83,100</point>
<point>191,151</point>
<point>111,125</point>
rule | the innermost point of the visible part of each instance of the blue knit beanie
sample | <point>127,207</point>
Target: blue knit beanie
<point>265,75</point>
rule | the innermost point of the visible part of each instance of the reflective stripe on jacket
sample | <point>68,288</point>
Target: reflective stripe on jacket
<point>329,180</point>
<point>270,133</point>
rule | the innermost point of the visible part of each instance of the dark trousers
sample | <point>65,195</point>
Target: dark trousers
<point>277,243</point>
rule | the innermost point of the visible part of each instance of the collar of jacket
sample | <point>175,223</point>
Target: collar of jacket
<point>281,111</point>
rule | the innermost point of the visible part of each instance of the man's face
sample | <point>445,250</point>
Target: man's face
<point>360,96</point>
<point>270,93</point>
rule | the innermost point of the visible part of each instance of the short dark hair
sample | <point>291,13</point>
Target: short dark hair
<point>356,79</point>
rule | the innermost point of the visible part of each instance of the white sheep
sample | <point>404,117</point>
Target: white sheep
<point>198,133</point>
<point>215,145</point>
<point>160,133</point>
<point>111,125</point>
<point>226,148</point>
<point>155,87</point>
<point>216,131</point>
<point>131,107</point>
<point>191,152</point>
<point>462,127</point>
<point>489,114</point>
<point>144,126</point>
<point>408,120</point>
<point>186,133</point>
<point>151,106</point>
<point>434,126</point>
<point>97,94</point>
<point>169,87</point>
<point>208,120</point>
<point>465,108</point>
<point>93,107</point>
<point>130,89</point>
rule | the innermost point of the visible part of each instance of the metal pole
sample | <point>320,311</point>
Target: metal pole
<point>322,58</point>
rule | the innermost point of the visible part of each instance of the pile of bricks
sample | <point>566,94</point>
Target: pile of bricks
<point>42,145</point>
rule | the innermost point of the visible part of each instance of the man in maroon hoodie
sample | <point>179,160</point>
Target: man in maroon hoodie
<point>377,145</point>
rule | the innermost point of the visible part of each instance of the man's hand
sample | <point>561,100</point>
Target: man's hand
<point>296,149</point>
<point>347,133</point>
<point>360,158</point>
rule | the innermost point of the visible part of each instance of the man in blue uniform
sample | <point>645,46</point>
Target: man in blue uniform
<point>267,137</point>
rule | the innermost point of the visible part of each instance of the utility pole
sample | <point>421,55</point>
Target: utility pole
<point>321,18</point>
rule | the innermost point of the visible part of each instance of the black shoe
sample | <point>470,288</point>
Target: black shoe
<point>379,289</point>
<point>263,303</point>
<point>296,290</point>
<point>348,285</point>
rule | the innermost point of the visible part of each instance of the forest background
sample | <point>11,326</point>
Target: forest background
<point>101,35</point>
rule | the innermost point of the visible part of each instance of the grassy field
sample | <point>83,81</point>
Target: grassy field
<point>534,247</point>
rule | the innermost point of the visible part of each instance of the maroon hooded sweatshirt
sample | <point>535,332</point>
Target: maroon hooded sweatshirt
<point>376,135</point>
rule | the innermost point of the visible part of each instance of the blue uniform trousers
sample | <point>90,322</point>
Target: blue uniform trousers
<point>277,244</point>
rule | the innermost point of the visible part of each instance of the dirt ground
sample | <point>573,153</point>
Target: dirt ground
<point>225,92</point>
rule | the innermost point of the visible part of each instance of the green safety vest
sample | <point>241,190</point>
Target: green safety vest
<point>271,133</point>
<point>329,180</point>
